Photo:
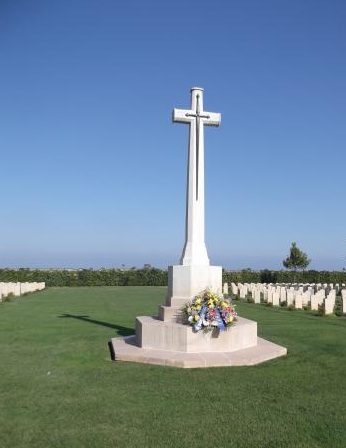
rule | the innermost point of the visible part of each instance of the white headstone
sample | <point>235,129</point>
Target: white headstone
<point>234,288</point>
<point>283,294</point>
<point>329,305</point>
<point>24,288</point>
<point>343,295</point>
<point>242,292</point>
<point>4,289</point>
<point>17,289</point>
<point>290,297</point>
<point>298,301</point>
<point>257,297</point>
<point>314,302</point>
<point>270,296</point>
<point>276,298</point>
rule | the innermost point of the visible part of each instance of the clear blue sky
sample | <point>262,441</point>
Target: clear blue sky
<point>92,169</point>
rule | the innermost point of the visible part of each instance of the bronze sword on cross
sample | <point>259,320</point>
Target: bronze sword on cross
<point>201,117</point>
<point>198,117</point>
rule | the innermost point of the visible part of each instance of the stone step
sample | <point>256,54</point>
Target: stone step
<point>125,349</point>
<point>152,333</point>
<point>170,313</point>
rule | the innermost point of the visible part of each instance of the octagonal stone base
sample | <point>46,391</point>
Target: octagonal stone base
<point>177,345</point>
<point>152,333</point>
<point>164,340</point>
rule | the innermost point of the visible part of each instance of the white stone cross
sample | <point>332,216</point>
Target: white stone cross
<point>195,251</point>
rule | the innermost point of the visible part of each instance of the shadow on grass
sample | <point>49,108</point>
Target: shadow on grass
<point>122,331</point>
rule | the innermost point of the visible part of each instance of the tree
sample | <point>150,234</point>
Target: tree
<point>297,259</point>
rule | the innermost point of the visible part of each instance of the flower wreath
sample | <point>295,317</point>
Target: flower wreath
<point>209,310</point>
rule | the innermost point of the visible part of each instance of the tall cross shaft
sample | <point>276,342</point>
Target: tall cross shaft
<point>195,251</point>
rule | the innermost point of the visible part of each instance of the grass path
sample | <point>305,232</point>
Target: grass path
<point>58,387</point>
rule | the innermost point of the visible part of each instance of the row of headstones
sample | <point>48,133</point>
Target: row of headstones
<point>297,295</point>
<point>18,289</point>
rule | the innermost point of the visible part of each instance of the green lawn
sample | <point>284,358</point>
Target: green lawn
<point>58,387</point>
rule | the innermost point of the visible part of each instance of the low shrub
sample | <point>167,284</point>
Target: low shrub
<point>8,298</point>
<point>321,310</point>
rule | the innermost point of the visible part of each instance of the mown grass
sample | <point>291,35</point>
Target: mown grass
<point>58,387</point>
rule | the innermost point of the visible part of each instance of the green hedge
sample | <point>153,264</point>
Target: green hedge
<point>87,277</point>
<point>267,276</point>
<point>158,277</point>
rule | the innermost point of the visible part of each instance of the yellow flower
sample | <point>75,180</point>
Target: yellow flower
<point>196,317</point>
<point>198,301</point>
<point>230,319</point>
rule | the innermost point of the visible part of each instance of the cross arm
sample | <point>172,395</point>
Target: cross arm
<point>185,116</point>
<point>214,119</point>
<point>181,115</point>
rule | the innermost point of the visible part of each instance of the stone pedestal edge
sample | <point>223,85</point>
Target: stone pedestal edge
<point>125,349</point>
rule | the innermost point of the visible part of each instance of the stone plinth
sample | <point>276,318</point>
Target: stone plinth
<point>163,340</point>
<point>184,282</point>
<point>152,333</point>
<point>177,345</point>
